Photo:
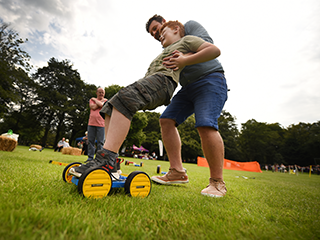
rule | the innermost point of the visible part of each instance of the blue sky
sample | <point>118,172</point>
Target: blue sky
<point>269,49</point>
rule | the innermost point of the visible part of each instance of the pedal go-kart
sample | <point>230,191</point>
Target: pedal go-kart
<point>97,182</point>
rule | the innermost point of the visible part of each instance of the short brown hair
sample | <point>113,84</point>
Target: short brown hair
<point>155,17</point>
<point>172,25</point>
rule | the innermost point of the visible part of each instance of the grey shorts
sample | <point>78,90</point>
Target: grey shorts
<point>144,94</point>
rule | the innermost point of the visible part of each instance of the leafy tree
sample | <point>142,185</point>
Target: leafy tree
<point>62,99</point>
<point>14,63</point>
<point>136,135</point>
<point>314,143</point>
<point>229,133</point>
<point>190,140</point>
<point>17,90</point>
<point>111,90</point>
<point>276,136</point>
<point>25,124</point>
<point>152,132</point>
<point>260,142</point>
<point>78,116</point>
<point>301,144</point>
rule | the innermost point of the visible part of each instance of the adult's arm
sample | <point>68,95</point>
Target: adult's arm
<point>94,103</point>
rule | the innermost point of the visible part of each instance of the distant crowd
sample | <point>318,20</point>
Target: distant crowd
<point>315,169</point>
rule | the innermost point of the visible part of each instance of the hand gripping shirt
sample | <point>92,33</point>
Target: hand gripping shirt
<point>186,44</point>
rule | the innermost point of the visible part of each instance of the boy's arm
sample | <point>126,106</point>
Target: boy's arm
<point>205,52</point>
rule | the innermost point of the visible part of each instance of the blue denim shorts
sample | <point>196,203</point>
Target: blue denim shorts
<point>205,98</point>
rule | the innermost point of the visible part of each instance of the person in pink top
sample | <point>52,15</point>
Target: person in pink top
<point>96,123</point>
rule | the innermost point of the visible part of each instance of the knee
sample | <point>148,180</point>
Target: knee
<point>204,131</point>
<point>167,123</point>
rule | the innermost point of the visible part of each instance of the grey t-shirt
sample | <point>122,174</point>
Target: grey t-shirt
<point>194,72</point>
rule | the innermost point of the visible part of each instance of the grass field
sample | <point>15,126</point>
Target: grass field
<point>35,203</point>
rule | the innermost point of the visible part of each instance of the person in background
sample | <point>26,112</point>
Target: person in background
<point>85,144</point>
<point>96,123</point>
<point>154,156</point>
<point>80,145</point>
<point>60,145</point>
<point>66,143</point>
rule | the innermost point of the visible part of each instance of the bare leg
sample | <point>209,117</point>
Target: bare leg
<point>213,148</point>
<point>172,142</point>
<point>117,130</point>
<point>106,125</point>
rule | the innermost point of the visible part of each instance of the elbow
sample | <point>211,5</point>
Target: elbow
<point>93,107</point>
<point>218,52</point>
<point>215,52</point>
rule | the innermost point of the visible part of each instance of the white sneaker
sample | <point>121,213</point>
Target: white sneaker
<point>216,188</point>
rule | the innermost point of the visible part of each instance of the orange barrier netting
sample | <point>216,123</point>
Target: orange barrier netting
<point>233,165</point>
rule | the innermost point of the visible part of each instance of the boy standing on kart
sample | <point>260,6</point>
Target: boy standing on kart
<point>155,89</point>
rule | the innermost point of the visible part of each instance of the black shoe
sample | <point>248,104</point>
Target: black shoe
<point>105,160</point>
<point>83,167</point>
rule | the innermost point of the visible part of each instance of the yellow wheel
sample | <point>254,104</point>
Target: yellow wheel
<point>95,183</point>
<point>65,174</point>
<point>138,184</point>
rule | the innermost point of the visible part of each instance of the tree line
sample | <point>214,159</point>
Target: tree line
<point>45,104</point>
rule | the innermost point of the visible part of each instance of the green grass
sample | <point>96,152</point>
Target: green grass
<point>35,203</point>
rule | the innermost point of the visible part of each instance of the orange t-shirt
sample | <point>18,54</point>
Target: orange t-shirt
<point>95,118</point>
